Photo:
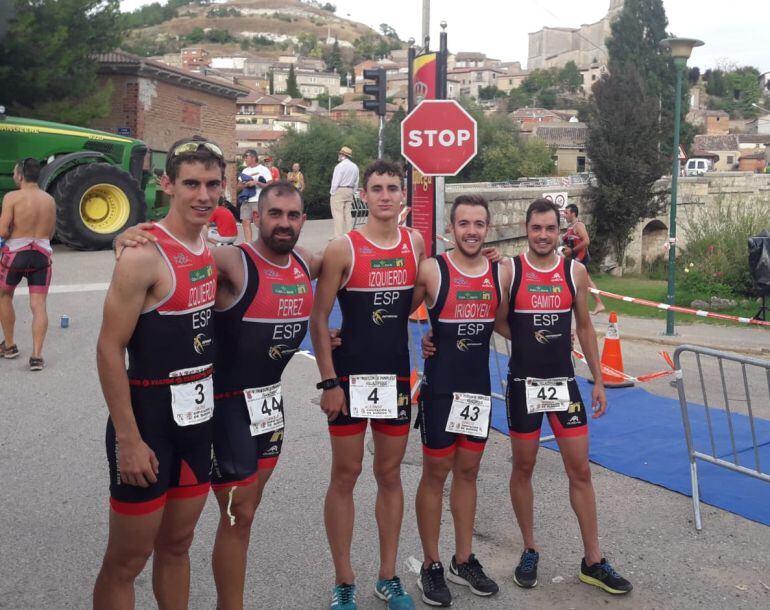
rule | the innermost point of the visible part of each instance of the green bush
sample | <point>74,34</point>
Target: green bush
<point>715,260</point>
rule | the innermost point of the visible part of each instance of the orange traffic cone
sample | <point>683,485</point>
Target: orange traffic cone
<point>420,314</point>
<point>612,357</point>
<point>414,383</point>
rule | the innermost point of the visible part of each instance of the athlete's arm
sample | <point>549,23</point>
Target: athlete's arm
<point>501,316</point>
<point>6,217</point>
<point>422,285</point>
<point>230,276</point>
<point>336,263</point>
<point>133,236</point>
<point>587,336</point>
<point>132,280</point>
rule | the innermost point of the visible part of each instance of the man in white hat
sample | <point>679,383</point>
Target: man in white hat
<point>344,185</point>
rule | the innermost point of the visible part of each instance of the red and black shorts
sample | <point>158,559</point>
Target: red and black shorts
<point>183,453</point>
<point>238,455</point>
<point>433,416</point>
<point>345,425</point>
<point>31,263</point>
<point>565,424</point>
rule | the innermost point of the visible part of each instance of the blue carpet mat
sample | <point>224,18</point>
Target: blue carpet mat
<point>642,436</point>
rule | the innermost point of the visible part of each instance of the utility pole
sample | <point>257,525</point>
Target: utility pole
<point>425,25</point>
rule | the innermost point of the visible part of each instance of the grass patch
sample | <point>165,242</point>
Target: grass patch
<point>655,290</point>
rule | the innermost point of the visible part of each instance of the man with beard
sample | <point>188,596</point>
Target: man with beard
<point>262,308</point>
<point>463,296</point>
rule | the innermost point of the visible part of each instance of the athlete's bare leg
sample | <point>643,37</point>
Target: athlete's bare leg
<point>462,500</point>
<point>232,542</point>
<point>7,317</point>
<point>522,497</point>
<point>246,224</point>
<point>339,511</point>
<point>129,546</point>
<point>389,510</point>
<point>428,503</point>
<point>599,303</point>
<point>171,560</point>
<point>574,454</point>
<point>39,322</point>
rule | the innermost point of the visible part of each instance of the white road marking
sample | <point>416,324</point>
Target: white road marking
<point>68,288</point>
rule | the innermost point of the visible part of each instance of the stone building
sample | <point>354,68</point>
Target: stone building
<point>585,46</point>
<point>160,104</point>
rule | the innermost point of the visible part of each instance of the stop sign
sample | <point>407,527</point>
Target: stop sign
<point>438,137</point>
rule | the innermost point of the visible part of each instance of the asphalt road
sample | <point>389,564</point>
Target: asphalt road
<point>55,505</point>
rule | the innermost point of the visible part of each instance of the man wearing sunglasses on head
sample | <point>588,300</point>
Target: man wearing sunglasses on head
<point>158,309</point>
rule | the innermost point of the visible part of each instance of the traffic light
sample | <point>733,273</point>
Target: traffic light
<point>378,104</point>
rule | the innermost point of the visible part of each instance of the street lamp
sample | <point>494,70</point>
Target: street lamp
<point>680,48</point>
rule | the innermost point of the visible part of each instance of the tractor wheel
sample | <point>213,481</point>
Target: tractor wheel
<point>94,203</point>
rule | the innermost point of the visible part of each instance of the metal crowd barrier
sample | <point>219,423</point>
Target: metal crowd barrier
<point>730,461</point>
<point>359,211</point>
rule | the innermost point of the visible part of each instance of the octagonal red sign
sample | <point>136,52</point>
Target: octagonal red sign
<point>438,137</point>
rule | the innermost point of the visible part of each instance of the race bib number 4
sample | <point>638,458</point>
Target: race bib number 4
<point>470,414</point>
<point>192,403</point>
<point>265,408</point>
<point>373,396</point>
<point>545,395</point>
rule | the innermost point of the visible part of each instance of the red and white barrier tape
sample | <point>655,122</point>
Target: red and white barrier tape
<point>641,378</point>
<point>693,312</point>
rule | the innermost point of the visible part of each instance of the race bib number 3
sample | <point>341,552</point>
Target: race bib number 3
<point>545,395</point>
<point>373,396</point>
<point>192,403</point>
<point>470,414</point>
<point>265,408</point>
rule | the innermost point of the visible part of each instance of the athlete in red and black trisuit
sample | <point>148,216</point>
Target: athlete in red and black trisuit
<point>375,299</point>
<point>545,291</point>
<point>371,271</point>
<point>463,293</point>
<point>576,242</point>
<point>158,308</point>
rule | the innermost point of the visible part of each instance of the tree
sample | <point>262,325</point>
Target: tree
<point>333,58</point>
<point>518,98</point>
<point>569,77</point>
<point>271,82</point>
<point>291,83</point>
<point>491,92</point>
<point>46,58</point>
<point>623,139</point>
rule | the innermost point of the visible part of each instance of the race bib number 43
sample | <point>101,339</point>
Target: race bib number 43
<point>547,394</point>
<point>373,396</point>
<point>265,408</point>
<point>192,403</point>
<point>469,414</point>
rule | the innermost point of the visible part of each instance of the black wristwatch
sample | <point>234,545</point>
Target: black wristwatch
<point>328,384</point>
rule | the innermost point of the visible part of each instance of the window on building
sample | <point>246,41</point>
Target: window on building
<point>730,159</point>
<point>581,164</point>
<point>191,114</point>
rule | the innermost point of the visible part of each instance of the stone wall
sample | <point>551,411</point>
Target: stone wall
<point>508,206</point>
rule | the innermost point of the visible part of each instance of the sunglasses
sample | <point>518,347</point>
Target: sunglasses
<point>195,146</point>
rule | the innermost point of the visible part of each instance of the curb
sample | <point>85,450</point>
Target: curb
<point>676,342</point>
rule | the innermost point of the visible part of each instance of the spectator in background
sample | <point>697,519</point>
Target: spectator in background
<point>296,177</point>
<point>253,176</point>
<point>274,171</point>
<point>221,228</point>
<point>344,185</point>
<point>576,242</point>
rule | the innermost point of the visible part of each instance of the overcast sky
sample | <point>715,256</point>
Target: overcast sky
<point>733,32</point>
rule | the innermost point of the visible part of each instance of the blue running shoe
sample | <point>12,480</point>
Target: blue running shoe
<point>343,597</point>
<point>392,591</point>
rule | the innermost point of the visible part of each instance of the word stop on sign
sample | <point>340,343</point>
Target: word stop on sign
<point>445,137</point>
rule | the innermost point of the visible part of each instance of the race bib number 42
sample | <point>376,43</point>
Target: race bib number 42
<point>545,395</point>
<point>265,408</point>
<point>373,396</point>
<point>469,414</point>
<point>192,403</point>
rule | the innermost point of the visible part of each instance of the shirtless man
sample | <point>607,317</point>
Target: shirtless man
<point>27,222</point>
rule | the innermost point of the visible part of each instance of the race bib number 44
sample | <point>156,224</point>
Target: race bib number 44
<point>373,396</point>
<point>192,403</point>
<point>545,395</point>
<point>469,414</point>
<point>265,408</point>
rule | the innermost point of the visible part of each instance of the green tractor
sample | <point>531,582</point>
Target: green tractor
<point>97,179</point>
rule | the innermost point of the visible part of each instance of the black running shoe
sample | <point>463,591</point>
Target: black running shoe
<point>471,574</point>
<point>433,586</point>
<point>8,351</point>
<point>602,575</point>
<point>525,574</point>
